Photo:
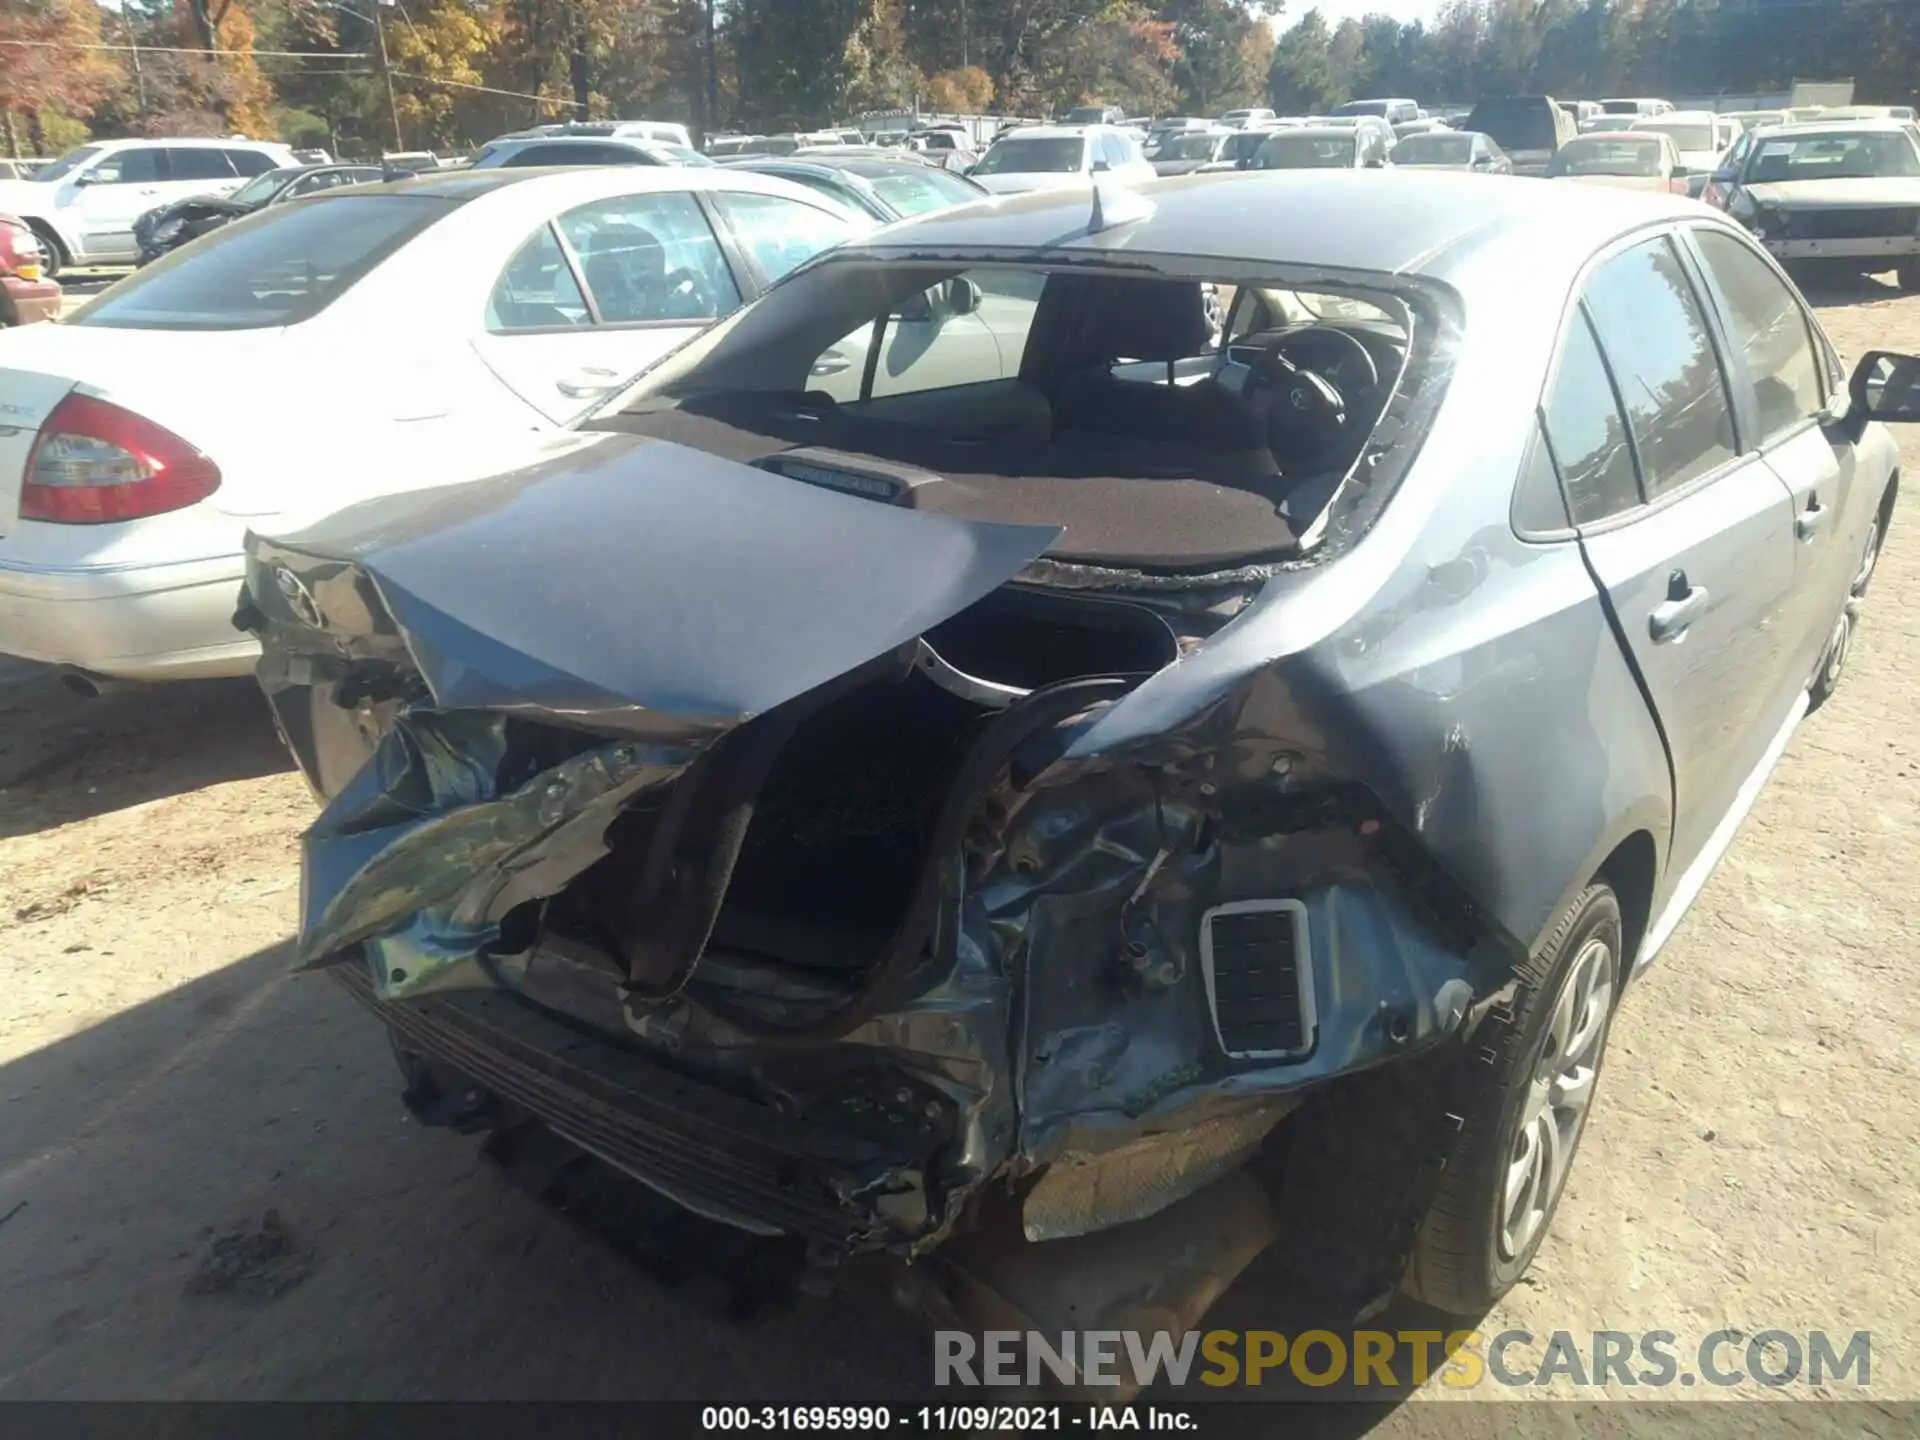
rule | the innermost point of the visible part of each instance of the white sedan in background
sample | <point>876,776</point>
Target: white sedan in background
<point>1051,157</point>
<point>322,352</point>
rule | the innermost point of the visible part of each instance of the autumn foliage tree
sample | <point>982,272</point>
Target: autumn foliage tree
<point>965,91</point>
<point>44,67</point>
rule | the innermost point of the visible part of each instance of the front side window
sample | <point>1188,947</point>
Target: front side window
<point>779,233</point>
<point>1768,325</point>
<point>128,167</point>
<point>537,290</point>
<point>1588,438</point>
<point>1651,326</point>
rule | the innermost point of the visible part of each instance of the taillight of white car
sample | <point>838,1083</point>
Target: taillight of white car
<point>96,464</point>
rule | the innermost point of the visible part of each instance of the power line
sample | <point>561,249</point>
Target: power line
<point>488,89</point>
<point>191,50</point>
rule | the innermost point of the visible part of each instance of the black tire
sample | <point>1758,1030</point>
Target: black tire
<point>1833,660</point>
<point>54,258</point>
<point>1908,275</point>
<point>1476,1241</point>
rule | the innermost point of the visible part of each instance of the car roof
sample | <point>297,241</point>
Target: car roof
<point>522,142</point>
<point>1409,222</point>
<point>1057,132</point>
<point>1321,132</point>
<point>1685,117</point>
<point>196,142</point>
<point>564,185</point>
<point>1878,125</point>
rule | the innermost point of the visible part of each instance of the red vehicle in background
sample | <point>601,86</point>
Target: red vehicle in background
<point>26,294</point>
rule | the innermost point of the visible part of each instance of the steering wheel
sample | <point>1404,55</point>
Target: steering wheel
<point>1306,412</point>
<point>1342,361</point>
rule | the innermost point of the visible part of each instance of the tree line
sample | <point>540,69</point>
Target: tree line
<point>358,76</point>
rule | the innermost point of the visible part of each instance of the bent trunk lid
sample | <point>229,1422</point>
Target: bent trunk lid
<point>695,594</point>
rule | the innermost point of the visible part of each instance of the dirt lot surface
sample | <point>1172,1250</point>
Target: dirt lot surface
<point>165,1084</point>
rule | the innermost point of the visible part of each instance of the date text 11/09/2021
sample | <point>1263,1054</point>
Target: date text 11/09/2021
<point>944,1419</point>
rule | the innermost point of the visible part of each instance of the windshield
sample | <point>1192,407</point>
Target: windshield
<point>916,194</point>
<point>770,145</point>
<point>1686,136</point>
<point>1056,155</point>
<point>1086,115</point>
<point>1434,150</point>
<point>1592,156</point>
<point>1620,107</point>
<point>1187,147</point>
<point>261,188</point>
<point>67,163</point>
<point>1362,107</point>
<point>1832,155</point>
<point>279,266</point>
<point>1306,152</point>
<point>1517,124</point>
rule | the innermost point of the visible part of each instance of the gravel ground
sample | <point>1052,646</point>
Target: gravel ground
<point>210,1190</point>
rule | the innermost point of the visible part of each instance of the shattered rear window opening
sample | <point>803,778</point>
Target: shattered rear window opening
<point>1110,403</point>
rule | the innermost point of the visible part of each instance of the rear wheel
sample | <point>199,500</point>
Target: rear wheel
<point>1497,1198</point>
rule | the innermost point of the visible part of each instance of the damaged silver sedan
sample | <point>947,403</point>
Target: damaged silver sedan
<point>1072,798</point>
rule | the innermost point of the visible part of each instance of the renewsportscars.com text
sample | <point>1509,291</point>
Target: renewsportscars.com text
<point>1361,1359</point>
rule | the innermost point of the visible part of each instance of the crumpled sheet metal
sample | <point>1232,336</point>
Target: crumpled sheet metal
<point>1079,1194</point>
<point>423,852</point>
<point>1116,1042</point>
<point>692,592</point>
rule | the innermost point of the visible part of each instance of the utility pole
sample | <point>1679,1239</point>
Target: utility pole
<point>713,76</point>
<point>966,59</point>
<point>133,44</point>
<point>393,104</point>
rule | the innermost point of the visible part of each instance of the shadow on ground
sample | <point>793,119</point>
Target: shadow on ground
<point>65,758</point>
<point>404,1266</point>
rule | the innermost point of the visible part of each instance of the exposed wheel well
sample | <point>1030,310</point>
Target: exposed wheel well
<point>1630,871</point>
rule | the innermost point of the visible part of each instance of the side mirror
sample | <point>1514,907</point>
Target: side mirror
<point>1725,177</point>
<point>1100,167</point>
<point>916,309</point>
<point>1886,386</point>
<point>83,178</point>
<point>963,296</point>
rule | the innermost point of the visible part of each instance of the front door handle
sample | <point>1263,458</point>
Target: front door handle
<point>1680,609</point>
<point>588,381</point>
<point>1811,520</point>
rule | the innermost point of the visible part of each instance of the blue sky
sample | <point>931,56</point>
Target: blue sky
<point>1334,11</point>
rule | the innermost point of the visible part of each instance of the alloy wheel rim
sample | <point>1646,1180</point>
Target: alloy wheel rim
<point>1868,559</point>
<point>1559,1095</point>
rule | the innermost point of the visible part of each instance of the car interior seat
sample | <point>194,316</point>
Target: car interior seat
<point>1086,324</point>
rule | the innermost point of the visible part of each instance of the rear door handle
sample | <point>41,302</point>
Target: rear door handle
<point>588,381</point>
<point>1811,520</point>
<point>1680,609</point>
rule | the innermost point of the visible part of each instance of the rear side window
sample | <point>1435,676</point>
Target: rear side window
<point>1768,325</point>
<point>1588,437</point>
<point>250,162</point>
<point>1650,324</point>
<point>537,290</point>
<point>280,266</point>
<point>198,164</point>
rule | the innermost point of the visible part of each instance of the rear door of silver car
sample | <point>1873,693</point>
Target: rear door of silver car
<point>1699,569</point>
